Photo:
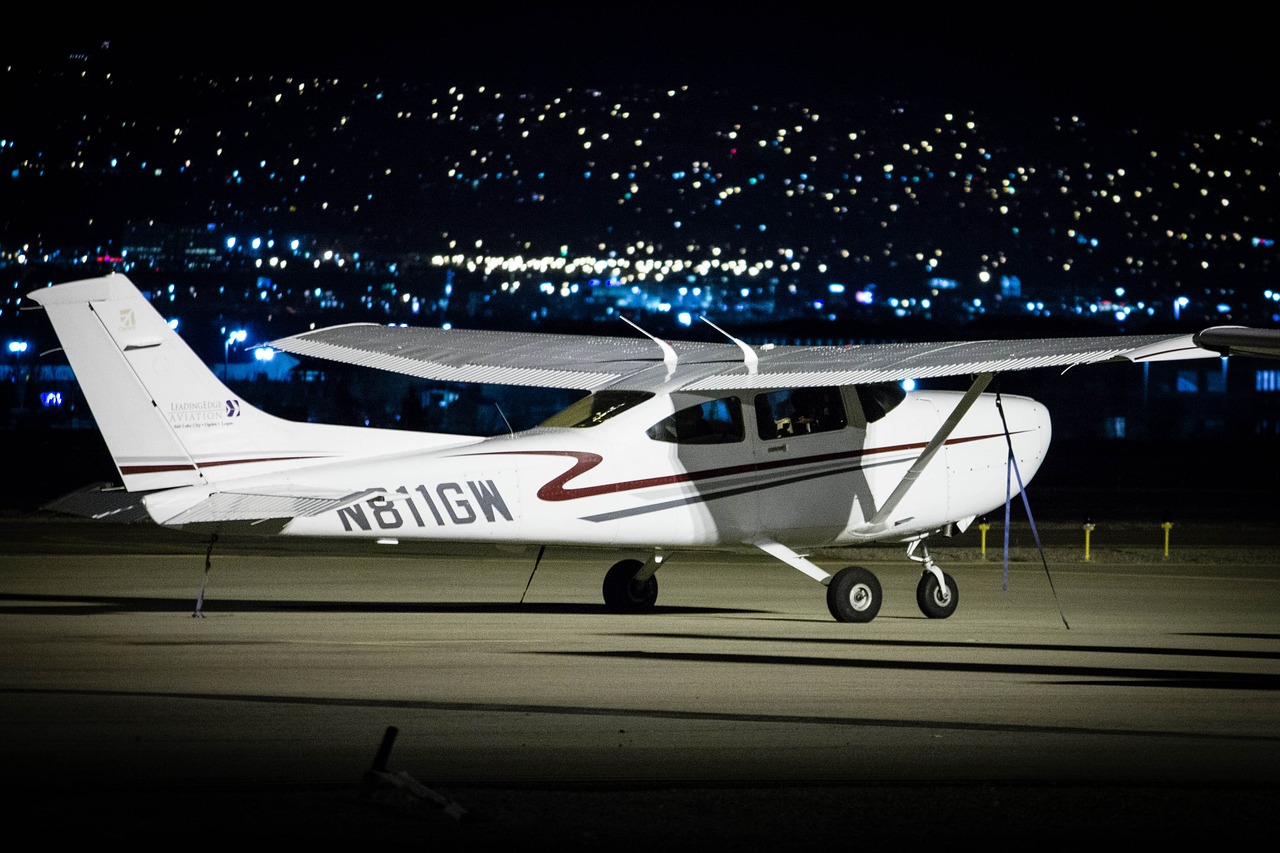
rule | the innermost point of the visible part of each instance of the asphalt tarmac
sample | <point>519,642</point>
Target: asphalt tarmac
<point>1130,697</point>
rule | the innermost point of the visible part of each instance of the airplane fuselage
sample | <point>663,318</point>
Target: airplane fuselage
<point>614,484</point>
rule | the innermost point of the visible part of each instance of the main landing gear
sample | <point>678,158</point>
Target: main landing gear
<point>630,586</point>
<point>854,594</point>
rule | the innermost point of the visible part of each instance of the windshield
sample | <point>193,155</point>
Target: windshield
<point>596,408</point>
<point>880,399</point>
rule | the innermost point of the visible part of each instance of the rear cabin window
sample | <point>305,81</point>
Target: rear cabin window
<point>799,411</point>
<point>713,422</point>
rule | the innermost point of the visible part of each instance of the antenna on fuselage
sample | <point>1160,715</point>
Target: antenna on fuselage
<point>749,357</point>
<point>504,418</point>
<point>669,357</point>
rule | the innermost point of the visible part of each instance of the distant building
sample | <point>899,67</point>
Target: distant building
<point>153,244</point>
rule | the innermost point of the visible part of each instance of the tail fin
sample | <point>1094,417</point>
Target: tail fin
<point>166,419</point>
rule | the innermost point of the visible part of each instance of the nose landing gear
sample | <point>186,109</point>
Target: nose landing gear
<point>937,594</point>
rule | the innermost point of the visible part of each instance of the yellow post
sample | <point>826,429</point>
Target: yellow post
<point>984,527</point>
<point>1167,525</point>
<point>1088,528</point>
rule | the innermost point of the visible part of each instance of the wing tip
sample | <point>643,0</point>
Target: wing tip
<point>1239,340</point>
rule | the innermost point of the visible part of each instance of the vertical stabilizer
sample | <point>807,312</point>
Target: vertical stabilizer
<point>166,418</point>
<point>117,345</point>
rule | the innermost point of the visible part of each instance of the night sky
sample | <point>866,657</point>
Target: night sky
<point>1070,57</point>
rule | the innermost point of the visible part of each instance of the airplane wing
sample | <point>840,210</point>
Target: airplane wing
<point>855,365</point>
<point>499,358</point>
<point>590,362</point>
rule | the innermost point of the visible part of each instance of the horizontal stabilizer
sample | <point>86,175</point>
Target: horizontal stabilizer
<point>101,501</point>
<point>260,506</point>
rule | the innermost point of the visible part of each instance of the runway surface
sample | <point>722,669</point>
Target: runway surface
<point>1131,696</point>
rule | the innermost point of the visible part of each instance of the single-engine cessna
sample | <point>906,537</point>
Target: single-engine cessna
<point>676,446</point>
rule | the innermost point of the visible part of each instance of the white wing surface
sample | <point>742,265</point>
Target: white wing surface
<point>590,362</point>
<point>499,358</point>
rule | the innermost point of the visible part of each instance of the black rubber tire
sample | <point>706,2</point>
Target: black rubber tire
<point>854,595</point>
<point>623,594</point>
<point>929,596</point>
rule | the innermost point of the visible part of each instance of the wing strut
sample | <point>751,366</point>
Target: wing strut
<point>880,519</point>
<point>791,558</point>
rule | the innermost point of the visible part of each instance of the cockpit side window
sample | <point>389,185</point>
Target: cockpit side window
<point>713,422</point>
<point>799,411</point>
<point>880,399</point>
<point>596,408</point>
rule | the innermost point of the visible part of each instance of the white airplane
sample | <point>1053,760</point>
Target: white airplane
<point>677,446</point>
